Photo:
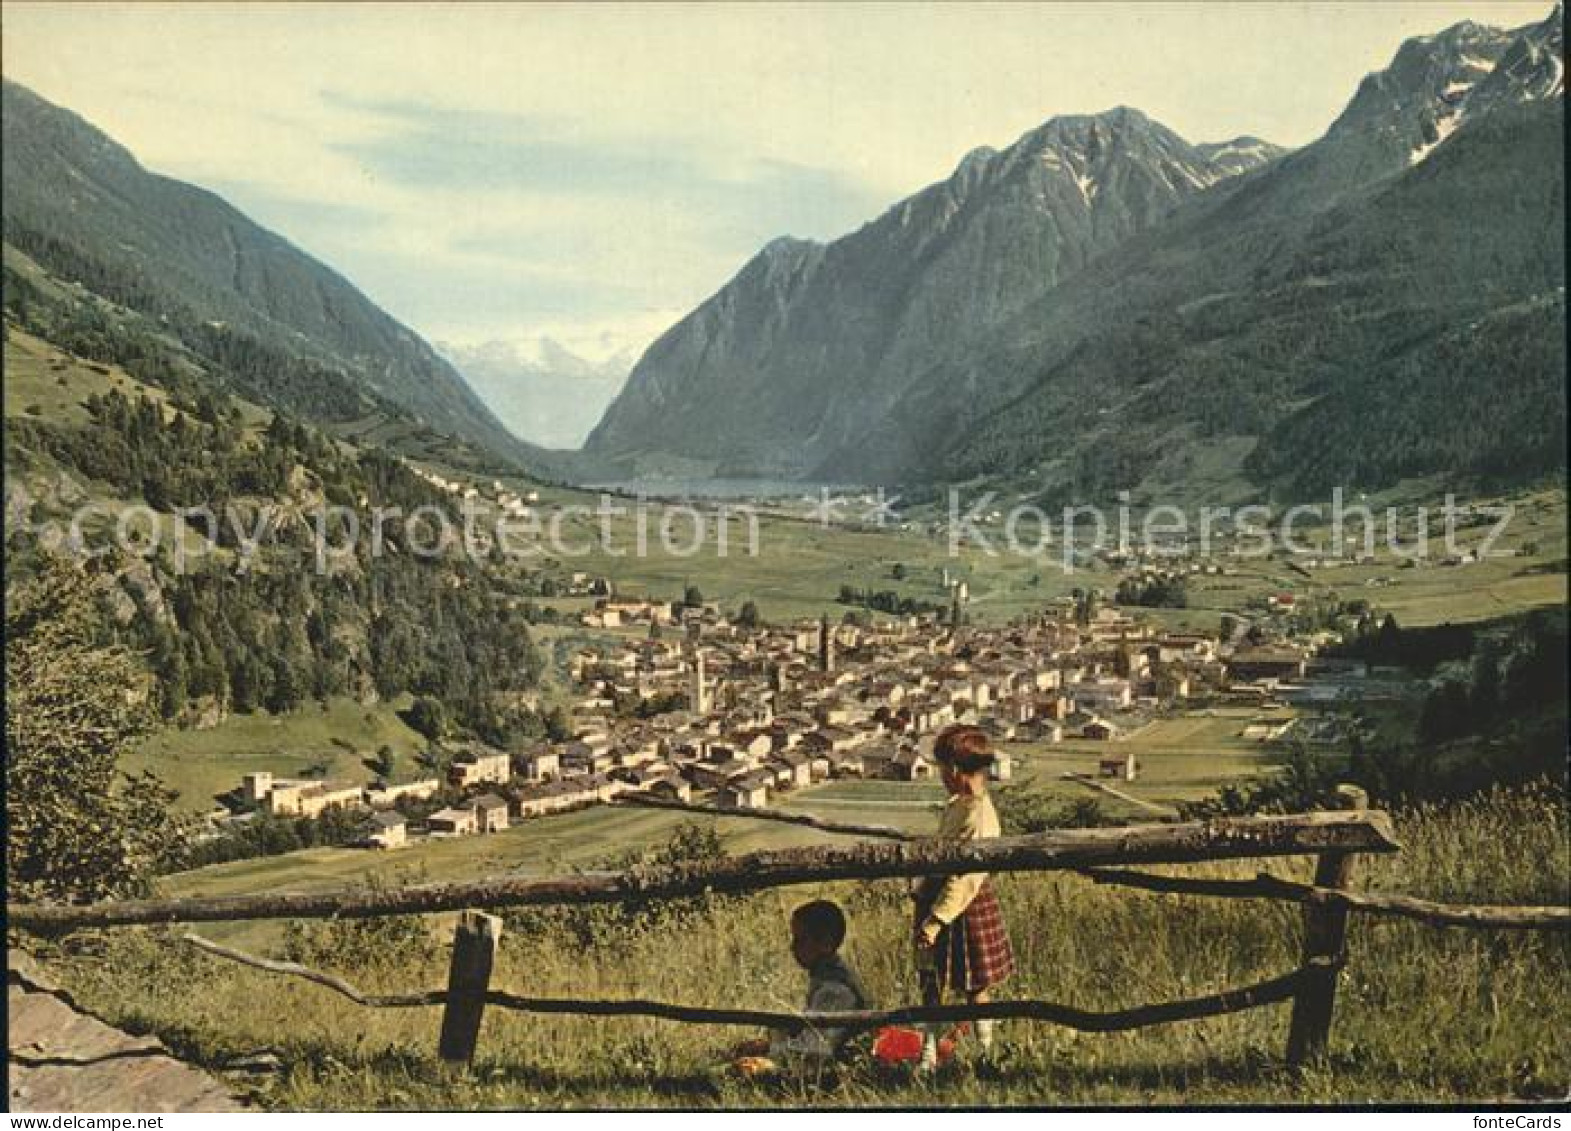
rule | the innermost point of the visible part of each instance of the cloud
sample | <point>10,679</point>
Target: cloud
<point>738,198</point>
<point>486,171</point>
<point>470,223</point>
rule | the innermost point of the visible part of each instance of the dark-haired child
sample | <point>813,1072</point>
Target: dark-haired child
<point>817,931</point>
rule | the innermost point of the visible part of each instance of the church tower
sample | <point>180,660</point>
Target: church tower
<point>699,697</point>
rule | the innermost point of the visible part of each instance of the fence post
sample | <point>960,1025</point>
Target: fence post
<point>468,978</point>
<point>1325,947</point>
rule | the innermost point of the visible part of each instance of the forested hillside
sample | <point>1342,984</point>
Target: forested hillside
<point>248,622</point>
<point>1382,338</point>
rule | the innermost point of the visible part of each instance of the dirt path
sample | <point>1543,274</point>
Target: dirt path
<point>1149,806</point>
<point>63,1060</point>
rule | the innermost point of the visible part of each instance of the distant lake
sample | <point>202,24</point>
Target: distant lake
<point>722,488</point>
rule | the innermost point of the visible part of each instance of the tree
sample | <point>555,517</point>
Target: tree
<point>1390,635</point>
<point>174,686</point>
<point>288,689</point>
<point>557,726</point>
<point>79,829</point>
<point>693,597</point>
<point>748,617</point>
<point>381,764</point>
<point>1445,715</point>
<point>427,717</point>
<point>245,684</point>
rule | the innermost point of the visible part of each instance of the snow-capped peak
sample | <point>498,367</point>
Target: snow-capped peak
<point>1528,67</point>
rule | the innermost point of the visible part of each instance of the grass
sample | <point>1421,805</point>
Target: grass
<point>554,845</point>
<point>1180,758</point>
<point>58,383</point>
<point>335,740</point>
<point>48,384</point>
<point>1423,1015</point>
<point>559,843</point>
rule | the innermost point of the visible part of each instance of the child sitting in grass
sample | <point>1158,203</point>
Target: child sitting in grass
<point>817,931</point>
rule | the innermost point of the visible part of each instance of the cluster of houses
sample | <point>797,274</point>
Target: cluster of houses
<point>768,709</point>
<point>508,501</point>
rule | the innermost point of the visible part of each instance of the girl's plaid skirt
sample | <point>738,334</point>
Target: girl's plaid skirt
<point>973,952</point>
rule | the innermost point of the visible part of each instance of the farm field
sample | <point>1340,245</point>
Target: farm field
<point>560,843</point>
<point>802,564</point>
<point>1182,758</point>
<point>910,806</point>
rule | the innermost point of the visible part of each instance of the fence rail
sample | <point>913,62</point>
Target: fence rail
<point>1189,1009</point>
<point>1066,849</point>
<point>1267,886</point>
<point>1103,855</point>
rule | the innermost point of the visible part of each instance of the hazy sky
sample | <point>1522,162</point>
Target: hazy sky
<point>497,172</point>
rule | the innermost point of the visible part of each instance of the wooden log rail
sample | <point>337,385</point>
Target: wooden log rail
<point>1268,992</point>
<point>1267,886</point>
<point>1263,886</point>
<point>1065,849</point>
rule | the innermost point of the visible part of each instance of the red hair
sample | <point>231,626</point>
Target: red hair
<point>966,748</point>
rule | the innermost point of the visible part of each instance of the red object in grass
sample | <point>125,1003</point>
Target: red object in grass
<point>895,1046</point>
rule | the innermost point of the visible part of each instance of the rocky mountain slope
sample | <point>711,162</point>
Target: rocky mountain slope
<point>1337,319</point>
<point>1104,306</point>
<point>796,360</point>
<point>81,206</point>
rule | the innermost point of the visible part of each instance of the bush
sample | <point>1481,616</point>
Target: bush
<point>78,828</point>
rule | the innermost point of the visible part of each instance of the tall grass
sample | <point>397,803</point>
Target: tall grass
<point>1422,1014</point>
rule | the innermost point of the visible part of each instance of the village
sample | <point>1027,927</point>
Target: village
<point>685,705</point>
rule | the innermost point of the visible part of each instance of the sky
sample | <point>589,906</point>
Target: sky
<point>492,173</point>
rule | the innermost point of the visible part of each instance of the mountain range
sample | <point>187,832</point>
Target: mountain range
<point>541,388</point>
<point>1104,305</point>
<point>285,329</point>
<point>816,344</point>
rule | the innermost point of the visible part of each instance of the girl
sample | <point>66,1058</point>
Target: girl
<point>961,941</point>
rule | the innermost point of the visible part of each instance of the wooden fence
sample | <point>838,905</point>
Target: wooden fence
<point>1104,855</point>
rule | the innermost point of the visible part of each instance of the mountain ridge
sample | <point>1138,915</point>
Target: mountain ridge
<point>544,390</point>
<point>965,347</point>
<point>183,254</point>
<point>880,301</point>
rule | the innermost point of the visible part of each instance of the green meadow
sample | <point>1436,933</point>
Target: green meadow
<point>331,741</point>
<point>1424,1015</point>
